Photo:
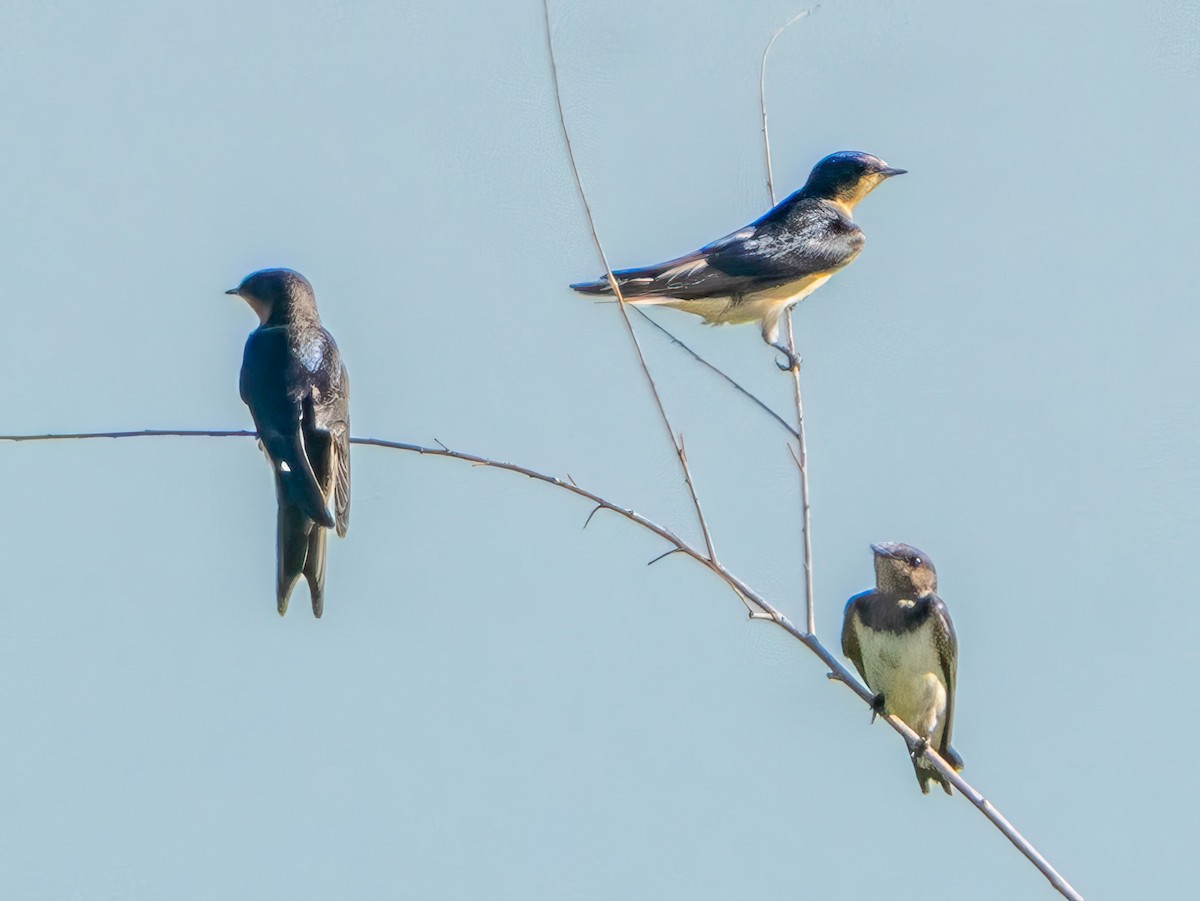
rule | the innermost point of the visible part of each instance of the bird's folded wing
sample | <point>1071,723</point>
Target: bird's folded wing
<point>850,647</point>
<point>341,476</point>
<point>947,648</point>
<point>773,251</point>
<point>331,414</point>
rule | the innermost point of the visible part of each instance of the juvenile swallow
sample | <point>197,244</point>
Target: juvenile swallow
<point>296,387</point>
<point>758,272</point>
<point>900,639</point>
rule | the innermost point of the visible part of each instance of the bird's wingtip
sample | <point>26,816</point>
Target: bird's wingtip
<point>596,287</point>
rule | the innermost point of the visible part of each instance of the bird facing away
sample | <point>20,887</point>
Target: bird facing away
<point>758,272</point>
<point>900,639</point>
<point>296,387</point>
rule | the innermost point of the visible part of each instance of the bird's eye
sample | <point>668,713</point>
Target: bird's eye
<point>916,561</point>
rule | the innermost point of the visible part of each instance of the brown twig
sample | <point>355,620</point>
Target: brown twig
<point>749,596</point>
<point>676,441</point>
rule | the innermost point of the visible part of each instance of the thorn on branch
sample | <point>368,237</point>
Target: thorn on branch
<point>596,510</point>
<point>442,446</point>
<point>673,550</point>
<point>877,707</point>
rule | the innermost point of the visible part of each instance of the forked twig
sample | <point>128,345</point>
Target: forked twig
<point>748,595</point>
<point>676,442</point>
<point>729,379</point>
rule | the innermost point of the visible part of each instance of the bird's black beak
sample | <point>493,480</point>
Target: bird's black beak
<point>883,550</point>
<point>889,172</point>
<point>233,291</point>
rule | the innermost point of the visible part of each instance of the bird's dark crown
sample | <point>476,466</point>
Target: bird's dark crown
<point>275,294</point>
<point>902,569</point>
<point>847,176</point>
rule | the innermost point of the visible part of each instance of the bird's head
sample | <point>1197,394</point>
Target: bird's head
<point>847,176</point>
<point>902,569</point>
<point>275,293</point>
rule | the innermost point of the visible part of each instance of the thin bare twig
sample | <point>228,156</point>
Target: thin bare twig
<point>801,458</point>
<point>762,96</point>
<point>838,670</point>
<point>802,455</point>
<point>140,433</point>
<point>676,442</point>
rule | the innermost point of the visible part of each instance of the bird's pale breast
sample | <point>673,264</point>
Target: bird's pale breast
<point>906,669</point>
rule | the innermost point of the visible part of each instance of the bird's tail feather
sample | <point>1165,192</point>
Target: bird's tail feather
<point>634,283</point>
<point>291,546</point>
<point>599,286</point>
<point>314,569</point>
<point>926,772</point>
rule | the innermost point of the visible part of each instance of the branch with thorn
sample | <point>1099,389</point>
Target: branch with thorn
<point>767,611</point>
<point>838,671</point>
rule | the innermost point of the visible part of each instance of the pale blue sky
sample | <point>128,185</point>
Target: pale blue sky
<point>498,704</point>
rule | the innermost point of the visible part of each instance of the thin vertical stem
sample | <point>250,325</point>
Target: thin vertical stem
<point>801,453</point>
<point>762,97</point>
<point>801,458</point>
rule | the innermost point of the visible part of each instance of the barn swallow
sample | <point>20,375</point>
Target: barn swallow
<point>296,387</point>
<point>757,273</point>
<point>900,639</point>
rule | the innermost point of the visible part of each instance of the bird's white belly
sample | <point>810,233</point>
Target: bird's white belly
<point>907,671</point>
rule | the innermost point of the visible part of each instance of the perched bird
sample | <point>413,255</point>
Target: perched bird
<point>757,273</point>
<point>296,387</point>
<point>902,642</point>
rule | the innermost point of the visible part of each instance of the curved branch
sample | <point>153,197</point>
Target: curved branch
<point>838,670</point>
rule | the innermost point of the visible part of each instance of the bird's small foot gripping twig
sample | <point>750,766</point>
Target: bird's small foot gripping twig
<point>793,359</point>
